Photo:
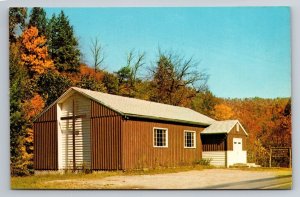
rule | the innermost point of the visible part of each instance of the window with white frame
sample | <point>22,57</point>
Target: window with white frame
<point>237,127</point>
<point>189,139</point>
<point>160,137</point>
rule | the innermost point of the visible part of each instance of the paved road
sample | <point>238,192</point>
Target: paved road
<point>282,182</point>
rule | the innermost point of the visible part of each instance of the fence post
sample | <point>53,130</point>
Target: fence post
<point>290,152</point>
<point>270,158</point>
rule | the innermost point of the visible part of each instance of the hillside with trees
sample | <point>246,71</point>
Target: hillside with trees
<point>45,60</point>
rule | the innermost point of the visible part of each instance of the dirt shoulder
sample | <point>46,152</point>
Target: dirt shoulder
<point>181,180</point>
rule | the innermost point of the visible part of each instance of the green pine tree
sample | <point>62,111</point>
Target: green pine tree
<point>38,19</point>
<point>52,85</point>
<point>63,45</point>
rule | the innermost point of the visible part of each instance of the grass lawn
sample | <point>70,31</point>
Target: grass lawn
<point>279,171</point>
<point>46,181</point>
<point>76,181</point>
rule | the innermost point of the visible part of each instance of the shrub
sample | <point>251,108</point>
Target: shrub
<point>203,162</point>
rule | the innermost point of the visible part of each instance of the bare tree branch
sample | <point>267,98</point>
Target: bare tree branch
<point>176,79</point>
<point>97,53</point>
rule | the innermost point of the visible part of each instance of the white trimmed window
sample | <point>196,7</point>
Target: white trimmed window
<point>160,137</point>
<point>237,127</point>
<point>189,139</point>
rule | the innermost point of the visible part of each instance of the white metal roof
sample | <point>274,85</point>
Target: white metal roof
<point>224,126</point>
<point>147,109</point>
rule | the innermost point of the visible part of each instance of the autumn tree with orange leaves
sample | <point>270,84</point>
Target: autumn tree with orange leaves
<point>35,52</point>
<point>33,106</point>
<point>223,112</point>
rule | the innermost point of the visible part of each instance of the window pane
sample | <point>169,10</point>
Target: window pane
<point>159,137</point>
<point>189,139</point>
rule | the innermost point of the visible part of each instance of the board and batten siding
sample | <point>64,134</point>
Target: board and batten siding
<point>217,158</point>
<point>236,134</point>
<point>45,141</point>
<point>214,142</point>
<point>106,138</point>
<point>138,150</point>
<point>82,133</point>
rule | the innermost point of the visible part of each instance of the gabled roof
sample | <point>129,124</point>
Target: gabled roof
<point>143,109</point>
<point>224,126</point>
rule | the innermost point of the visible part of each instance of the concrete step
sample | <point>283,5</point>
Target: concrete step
<point>253,165</point>
<point>239,165</point>
<point>244,165</point>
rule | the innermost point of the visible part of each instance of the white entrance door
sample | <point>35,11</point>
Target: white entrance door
<point>238,150</point>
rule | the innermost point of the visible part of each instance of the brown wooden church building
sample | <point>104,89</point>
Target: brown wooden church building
<point>99,131</point>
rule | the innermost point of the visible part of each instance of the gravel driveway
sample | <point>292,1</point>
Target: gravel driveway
<point>181,180</point>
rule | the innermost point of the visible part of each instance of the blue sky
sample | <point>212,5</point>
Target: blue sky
<point>246,51</point>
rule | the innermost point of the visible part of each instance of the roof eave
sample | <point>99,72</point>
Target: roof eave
<point>56,101</point>
<point>243,128</point>
<point>214,133</point>
<point>167,119</point>
<point>80,92</point>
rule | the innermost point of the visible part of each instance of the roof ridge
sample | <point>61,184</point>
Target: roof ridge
<point>227,120</point>
<point>135,99</point>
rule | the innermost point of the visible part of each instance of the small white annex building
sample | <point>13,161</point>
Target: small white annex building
<point>224,143</point>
